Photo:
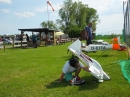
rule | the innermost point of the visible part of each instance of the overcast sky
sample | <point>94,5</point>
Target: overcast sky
<point>19,14</point>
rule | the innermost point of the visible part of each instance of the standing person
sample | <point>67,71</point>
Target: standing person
<point>46,39</point>
<point>88,34</point>
<point>34,40</point>
<point>27,39</point>
<point>72,65</point>
<point>24,37</point>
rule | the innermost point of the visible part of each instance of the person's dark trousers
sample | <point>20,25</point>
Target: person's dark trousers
<point>89,41</point>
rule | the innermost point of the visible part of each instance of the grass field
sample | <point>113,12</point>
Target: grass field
<point>32,73</point>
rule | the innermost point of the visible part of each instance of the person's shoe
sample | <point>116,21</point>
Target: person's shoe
<point>74,81</point>
<point>78,78</point>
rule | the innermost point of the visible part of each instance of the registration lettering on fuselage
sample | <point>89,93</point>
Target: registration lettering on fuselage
<point>98,48</point>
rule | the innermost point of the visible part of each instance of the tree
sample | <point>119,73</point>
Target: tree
<point>92,17</point>
<point>65,13</point>
<point>76,15</point>
<point>49,24</point>
<point>79,14</point>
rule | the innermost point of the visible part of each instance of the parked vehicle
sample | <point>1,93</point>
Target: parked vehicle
<point>7,41</point>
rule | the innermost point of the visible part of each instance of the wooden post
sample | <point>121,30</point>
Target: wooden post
<point>4,45</point>
<point>13,44</point>
<point>40,38</point>
<point>53,38</point>
<point>21,38</point>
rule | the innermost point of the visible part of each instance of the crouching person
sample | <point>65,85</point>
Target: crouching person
<point>72,65</point>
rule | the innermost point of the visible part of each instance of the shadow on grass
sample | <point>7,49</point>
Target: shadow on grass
<point>55,84</point>
<point>89,84</point>
<point>105,56</point>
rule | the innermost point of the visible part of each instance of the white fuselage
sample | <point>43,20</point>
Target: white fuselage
<point>94,47</point>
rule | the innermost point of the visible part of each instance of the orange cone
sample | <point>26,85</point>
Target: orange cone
<point>116,45</point>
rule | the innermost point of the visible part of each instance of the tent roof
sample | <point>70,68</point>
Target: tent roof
<point>38,30</point>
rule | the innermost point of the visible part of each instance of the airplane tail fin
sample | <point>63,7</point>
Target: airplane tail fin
<point>76,45</point>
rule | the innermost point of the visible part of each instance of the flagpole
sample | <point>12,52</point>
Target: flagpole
<point>48,11</point>
<point>48,16</point>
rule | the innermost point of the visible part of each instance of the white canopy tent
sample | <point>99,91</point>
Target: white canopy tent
<point>59,33</point>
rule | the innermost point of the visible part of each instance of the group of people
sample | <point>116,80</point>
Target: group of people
<point>25,37</point>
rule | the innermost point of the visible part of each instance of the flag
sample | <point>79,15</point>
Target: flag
<point>50,5</point>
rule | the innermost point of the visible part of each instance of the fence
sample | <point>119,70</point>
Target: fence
<point>126,30</point>
<point>1,45</point>
<point>19,43</point>
<point>15,44</point>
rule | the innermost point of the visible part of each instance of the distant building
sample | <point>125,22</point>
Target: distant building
<point>83,35</point>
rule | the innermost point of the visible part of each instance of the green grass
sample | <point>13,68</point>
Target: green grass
<point>32,73</point>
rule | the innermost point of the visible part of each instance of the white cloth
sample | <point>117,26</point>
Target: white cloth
<point>24,38</point>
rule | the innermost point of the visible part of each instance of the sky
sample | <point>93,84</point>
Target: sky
<point>20,14</point>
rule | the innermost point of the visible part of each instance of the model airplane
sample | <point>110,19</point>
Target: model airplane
<point>94,66</point>
<point>101,45</point>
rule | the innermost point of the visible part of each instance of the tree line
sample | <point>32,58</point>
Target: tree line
<point>74,16</point>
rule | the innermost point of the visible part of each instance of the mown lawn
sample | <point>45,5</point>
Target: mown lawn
<point>32,73</point>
